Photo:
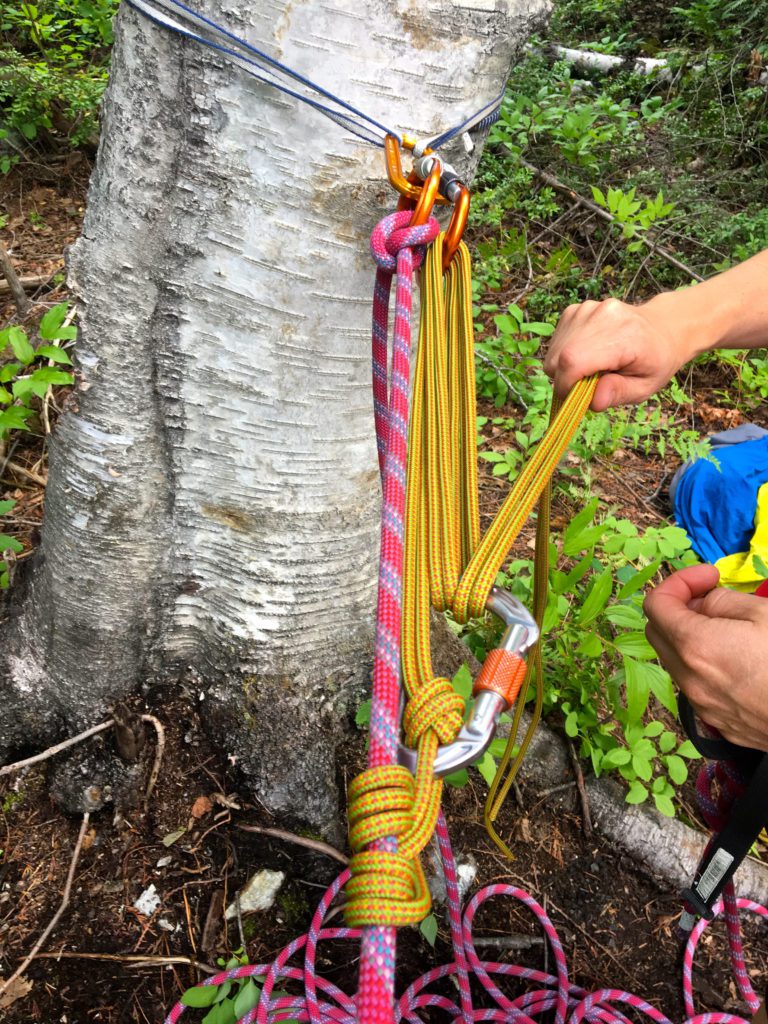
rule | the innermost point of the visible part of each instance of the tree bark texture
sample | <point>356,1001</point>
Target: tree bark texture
<point>212,503</point>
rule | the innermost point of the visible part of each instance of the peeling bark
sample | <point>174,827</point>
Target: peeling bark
<point>212,503</point>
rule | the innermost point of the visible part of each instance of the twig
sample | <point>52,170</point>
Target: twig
<point>9,768</point>
<point>14,284</point>
<point>22,471</point>
<point>555,789</point>
<point>62,907</point>
<point>239,912</point>
<point>312,844</point>
<point>509,941</point>
<point>135,959</point>
<point>29,284</point>
<point>102,727</point>
<point>586,818</point>
<point>159,750</point>
<point>560,186</point>
<point>501,375</point>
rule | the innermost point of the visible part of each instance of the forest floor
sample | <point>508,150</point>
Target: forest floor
<point>111,962</point>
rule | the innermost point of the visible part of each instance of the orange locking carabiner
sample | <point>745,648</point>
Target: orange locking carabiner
<point>428,194</point>
<point>407,187</point>
<point>458,223</point>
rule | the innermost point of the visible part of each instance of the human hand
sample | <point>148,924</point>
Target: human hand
<point>635,348</point>
<point>714,644</point>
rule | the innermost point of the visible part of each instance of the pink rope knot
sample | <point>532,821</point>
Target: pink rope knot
<point>394,233</point>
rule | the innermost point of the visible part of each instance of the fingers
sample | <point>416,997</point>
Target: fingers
<point>667,607</point>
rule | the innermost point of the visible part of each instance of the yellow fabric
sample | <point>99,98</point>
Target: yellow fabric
<point>738,572</point>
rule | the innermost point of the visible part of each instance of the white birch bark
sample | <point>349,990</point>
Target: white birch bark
<point>212,506</point>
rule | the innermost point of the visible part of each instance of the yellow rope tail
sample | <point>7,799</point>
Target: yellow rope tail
<point>443,543</point>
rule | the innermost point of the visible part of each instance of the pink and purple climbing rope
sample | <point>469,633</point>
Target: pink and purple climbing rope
<point>321,1002</point>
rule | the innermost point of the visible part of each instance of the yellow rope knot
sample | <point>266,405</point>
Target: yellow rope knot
<point>437,706</point>
<point>386,888</point>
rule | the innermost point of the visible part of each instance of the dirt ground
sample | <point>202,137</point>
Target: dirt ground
<point>108,961</point>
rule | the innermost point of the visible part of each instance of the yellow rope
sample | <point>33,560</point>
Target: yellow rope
<point>448,566</point>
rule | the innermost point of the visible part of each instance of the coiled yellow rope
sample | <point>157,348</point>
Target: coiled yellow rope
<point>449,566</point>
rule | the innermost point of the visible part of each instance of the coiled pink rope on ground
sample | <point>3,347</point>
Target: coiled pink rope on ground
<point>547,992</point>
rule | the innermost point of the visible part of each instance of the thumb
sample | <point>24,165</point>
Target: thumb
<point>730,604</point>
<point>617,389</point>
<point>667,605</point>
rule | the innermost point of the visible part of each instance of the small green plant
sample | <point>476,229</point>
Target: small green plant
<point>7,543</point>
<point>24,377</point>
<point>600,673</point>
<point>229,1002</point>
<point>634,216</point>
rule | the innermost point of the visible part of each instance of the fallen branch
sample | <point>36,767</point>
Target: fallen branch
<point>311,844</point>
<point>581,200</point>
<point>604,63</point>
<point>29,284</point>
<point>134,959</point>
<point>7,769</point>
<point>26,473</point>
<point>62,907</point>
<point>14,284</point>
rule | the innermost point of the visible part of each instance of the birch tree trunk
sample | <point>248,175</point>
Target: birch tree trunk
<point>212,504</point>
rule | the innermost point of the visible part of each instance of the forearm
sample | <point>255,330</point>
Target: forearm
<point>726,311</point>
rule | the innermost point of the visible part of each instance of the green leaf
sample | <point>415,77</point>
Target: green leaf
<point>14,418</point>
<point>462,683</point>
<point>667,741</point>
<point>247,998</point>
<point>363,714</point>
<point>642,768</point>
<point>55,354</point>
<point>637,793</point>
<point>596,599</point>
<point>543,330</point>
<point>664,804</point>
<point>50,325</point>
<point>457,779</point>
<point>19,342</point>
<point>638,688</point>
<point>687,749</point>
<point>617,757</point>
<point>9,371</point>
<point>7,542</point>
<point>591,646</point>
<point>572,724</point>
<point>625,615</point>
<point>48,375</point>
<point>200,995</point>
<point>173,837</point>
<point>663,689</point>
<point>639,580</point>
<point>654,728</point>
<point>677,769</point>
<point>428,929</point>
<point>6,506</point>
<point>635,645</point>
<point>487,766</point>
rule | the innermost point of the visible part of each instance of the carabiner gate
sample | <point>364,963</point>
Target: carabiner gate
<point>496,688</point>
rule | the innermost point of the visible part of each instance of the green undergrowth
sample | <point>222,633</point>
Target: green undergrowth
<point>54,58</point>
<point>678,163</point>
